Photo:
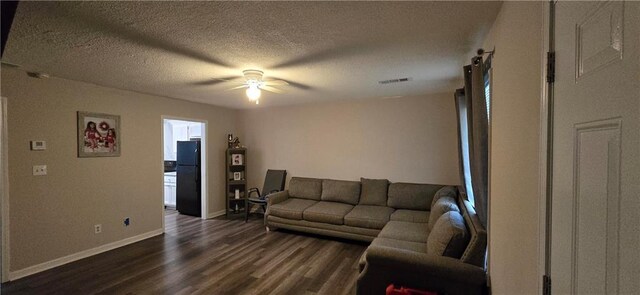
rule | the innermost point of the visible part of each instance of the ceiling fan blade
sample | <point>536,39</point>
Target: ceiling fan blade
<point>238,87</point>
<point>228,78</point>
<point>345,51</point>
<point>214,81</point>
<point>271,89</point>
<point>295,84</point>
<point>275,82</point>
<point>127,33</point>
<point>8,64</point>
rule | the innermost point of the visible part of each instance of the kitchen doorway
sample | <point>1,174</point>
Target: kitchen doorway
<point>184,166</point>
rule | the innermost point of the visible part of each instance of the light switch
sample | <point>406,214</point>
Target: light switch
<point>39,170</point>
<point>38,145</point>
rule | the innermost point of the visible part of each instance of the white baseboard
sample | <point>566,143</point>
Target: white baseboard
<point>216,214</point>
<point>14,275</point>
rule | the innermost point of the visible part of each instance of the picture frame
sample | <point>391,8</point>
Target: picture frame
<point>237,175</point>
<point>236,159</point>
<point>98,135</point>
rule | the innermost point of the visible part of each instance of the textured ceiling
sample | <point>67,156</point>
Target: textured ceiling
<point>326,50</point>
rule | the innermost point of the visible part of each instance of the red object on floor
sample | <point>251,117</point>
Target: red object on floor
<point>391,290</point>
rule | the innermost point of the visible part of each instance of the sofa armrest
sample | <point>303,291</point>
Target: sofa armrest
<point>385,265</point>
<point>278,197</point>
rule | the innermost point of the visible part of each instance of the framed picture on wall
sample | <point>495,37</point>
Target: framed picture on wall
<point>98,135</point>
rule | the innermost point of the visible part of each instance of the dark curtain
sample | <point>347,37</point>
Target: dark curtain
<point>472,101</point>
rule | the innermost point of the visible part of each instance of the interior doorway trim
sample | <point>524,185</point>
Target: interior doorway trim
<point>545,156</point>
<point>204,205</point>
<point>4,191</point>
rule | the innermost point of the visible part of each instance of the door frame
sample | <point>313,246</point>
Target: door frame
<point>4,191</point>
<point>544,146</point>
<point>204,204</point>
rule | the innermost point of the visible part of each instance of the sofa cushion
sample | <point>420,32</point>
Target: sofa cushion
<point>442,206</point>
<point>391,243</point>
<point>305,188</point>
<point>447,191</point>
<point>400,244</point>
<point>328,212</point>
<point>341,191</point>
<point>411,196</point>
<point>322,228</point>
<point>410,216</point>
<point>405,231</point>
<point>291,208</point>
<point>374,192</point>
<point>449,236</point>
<point>368,216</point>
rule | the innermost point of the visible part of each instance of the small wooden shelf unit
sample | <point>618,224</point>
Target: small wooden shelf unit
<point>236,206</point>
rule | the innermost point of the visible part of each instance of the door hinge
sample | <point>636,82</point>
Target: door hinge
<point>551,67</point>
<point>546,285</point>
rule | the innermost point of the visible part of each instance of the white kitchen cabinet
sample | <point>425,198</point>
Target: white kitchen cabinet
<point>170,189</point>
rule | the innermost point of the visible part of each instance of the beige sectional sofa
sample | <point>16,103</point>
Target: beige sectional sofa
<point>422,235</point>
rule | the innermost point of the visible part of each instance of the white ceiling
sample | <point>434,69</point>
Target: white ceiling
<point>326,50</point>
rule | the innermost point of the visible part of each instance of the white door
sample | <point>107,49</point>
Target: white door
<point>596,154</point>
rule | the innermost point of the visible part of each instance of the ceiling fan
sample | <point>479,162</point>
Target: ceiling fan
<point>254,83</point>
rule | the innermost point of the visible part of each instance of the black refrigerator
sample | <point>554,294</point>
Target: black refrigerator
<point>188,197</point>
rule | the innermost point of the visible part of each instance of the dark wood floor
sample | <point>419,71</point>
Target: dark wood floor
<point>208,257</point>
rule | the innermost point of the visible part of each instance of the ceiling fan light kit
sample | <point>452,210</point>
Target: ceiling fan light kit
<point>253,75</point>
<point>253,91</point>
<point>254,85</point>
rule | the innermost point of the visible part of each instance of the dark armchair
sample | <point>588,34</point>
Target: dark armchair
<point>273,182</point>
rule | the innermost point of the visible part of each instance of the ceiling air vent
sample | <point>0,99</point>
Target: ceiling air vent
<point>395,81</point>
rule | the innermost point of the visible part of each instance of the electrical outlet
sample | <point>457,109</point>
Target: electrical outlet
<point>98,228</point>
<point>39,170</point>
<point>127,221</point>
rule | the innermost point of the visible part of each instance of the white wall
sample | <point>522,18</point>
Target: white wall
<point>409,139</point>
<point>53,216</point>
<point>515,135</point>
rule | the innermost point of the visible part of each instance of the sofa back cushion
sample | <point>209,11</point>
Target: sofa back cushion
<point>449,236</point>
<point>305,188</point>
<point>411,196</point>
<point>374,192</point>
<point>442,206</point>
<point>445,191</point>
<point>341,191</point>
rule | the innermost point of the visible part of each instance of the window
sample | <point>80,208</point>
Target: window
<point>487,92</point>
<point>464,147</point>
